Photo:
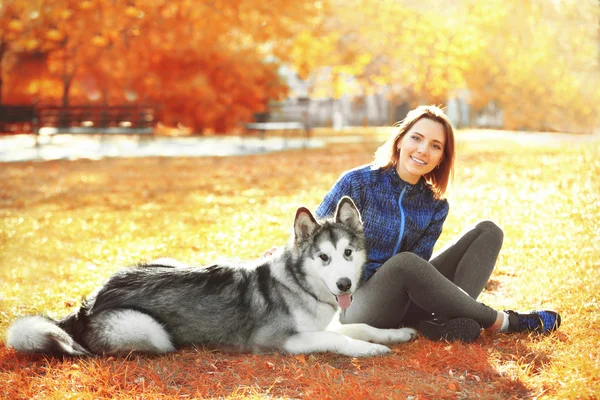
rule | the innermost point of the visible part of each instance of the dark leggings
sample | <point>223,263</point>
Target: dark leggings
<point>407,288</point>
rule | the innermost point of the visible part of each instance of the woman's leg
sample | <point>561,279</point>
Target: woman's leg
<point>469,260</point>
<point>383,300</point>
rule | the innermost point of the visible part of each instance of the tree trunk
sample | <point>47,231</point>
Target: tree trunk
<point>67,80</point>
<point>64,120</point>
<point>2,52</point>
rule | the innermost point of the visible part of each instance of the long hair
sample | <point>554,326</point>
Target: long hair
<point>386,156</point>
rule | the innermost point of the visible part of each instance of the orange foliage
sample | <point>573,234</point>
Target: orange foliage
<point>211,65</point>
<point>198,61</point>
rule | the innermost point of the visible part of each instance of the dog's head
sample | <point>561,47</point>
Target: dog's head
<point>334,250</point>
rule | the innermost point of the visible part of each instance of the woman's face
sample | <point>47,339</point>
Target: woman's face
<point>421,150</point>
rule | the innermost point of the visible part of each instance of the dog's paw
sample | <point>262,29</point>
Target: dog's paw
<point>393,336</point>
<point>401,335</point>
<point>365,349</point>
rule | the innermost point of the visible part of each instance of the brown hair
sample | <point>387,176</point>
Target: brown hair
<point>386,156</point>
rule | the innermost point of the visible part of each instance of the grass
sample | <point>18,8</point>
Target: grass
<point>67,225</point>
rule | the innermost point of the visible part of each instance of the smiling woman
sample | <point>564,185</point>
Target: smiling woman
<point>401,200</point>
<point>421,150</point>
<point>426,132</point>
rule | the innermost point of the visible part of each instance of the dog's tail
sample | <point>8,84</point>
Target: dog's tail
<point>42,335</point>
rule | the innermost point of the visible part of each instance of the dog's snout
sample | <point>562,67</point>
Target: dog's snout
<point>344,284</point>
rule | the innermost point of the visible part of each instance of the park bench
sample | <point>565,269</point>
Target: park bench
<point>96,119</point>
<point>17,118</point>
<point>282,117</point>
<point>90,119</point>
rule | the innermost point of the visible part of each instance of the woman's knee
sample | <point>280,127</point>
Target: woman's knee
<point>404,263</point>
<point>490,228</point>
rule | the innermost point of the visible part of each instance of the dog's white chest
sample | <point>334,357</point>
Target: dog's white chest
<point>317,318</point>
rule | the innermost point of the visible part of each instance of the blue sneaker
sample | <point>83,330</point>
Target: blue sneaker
<point>540,321</point>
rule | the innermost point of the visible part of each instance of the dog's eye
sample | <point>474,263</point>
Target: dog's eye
<point>324,257</point>
<point>348,252</point>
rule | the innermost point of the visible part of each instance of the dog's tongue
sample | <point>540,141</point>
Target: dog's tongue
<point>344,300</point>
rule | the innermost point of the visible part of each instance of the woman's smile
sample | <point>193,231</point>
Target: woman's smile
<point>418,161</point>
<point>421,149</point>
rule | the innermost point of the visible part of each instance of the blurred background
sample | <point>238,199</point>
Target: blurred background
<point>209,67</point>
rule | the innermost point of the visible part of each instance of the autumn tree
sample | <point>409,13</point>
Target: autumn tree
<point>204,63</point>
<point>211,65</point>
<point>536,60</point>
<point>15,21</point>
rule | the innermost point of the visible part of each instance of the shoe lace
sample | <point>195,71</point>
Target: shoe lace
<point>549,320</point>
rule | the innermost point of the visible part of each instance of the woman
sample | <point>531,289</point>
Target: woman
<point>400,197</point>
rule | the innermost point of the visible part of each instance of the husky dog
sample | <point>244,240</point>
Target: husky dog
<point>284,302</point>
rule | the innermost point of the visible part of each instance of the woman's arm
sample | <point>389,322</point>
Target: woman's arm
<point>342,187</point>
<point>424,247</point>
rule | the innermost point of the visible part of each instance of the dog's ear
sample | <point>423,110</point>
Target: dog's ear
<point>304,224</point>
<point>347,213</point>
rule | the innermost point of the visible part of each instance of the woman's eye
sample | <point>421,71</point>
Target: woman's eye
<point>324,257</point>
<point>348,252</point>
<point>414,137</point>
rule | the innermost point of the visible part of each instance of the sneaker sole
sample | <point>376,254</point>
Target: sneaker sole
<point>455,329</point>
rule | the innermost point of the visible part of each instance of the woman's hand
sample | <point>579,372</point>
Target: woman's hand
<point>269,252</point>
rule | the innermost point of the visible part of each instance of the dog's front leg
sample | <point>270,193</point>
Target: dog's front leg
<point>371,334</point>
<point>328,341</point>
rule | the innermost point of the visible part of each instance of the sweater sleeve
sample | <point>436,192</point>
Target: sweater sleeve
<point>424,247</point>
<point>342,187</point>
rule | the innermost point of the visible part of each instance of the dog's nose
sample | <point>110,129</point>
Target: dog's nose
<point>344,284</point>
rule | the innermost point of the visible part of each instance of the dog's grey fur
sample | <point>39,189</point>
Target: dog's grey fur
<point>283,302</point>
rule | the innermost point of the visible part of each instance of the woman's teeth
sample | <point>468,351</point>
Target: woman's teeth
<point>418,161</point>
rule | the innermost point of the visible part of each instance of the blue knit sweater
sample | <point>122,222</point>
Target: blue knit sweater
<point>397,216</point>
